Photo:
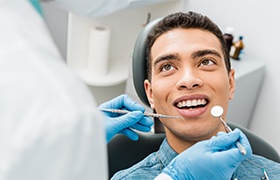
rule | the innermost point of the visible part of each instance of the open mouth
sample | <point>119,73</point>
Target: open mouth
<point>191,104</point>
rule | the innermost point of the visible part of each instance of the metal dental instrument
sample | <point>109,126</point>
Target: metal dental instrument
<point>119,111</point>
<point>217,112</point>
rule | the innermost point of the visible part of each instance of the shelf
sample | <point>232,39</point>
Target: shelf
<point>246,66</point>
<point>117,74</point>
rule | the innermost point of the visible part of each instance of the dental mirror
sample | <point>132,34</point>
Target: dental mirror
<point>217,111</point>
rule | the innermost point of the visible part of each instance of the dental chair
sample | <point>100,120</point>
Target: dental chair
<point>123,152</point>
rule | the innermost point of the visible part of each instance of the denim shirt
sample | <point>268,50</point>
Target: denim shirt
<point>153,164</point>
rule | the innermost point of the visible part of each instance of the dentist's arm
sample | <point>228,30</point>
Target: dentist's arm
<point>216,158</point>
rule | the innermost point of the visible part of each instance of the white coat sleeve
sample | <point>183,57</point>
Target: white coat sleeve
<point>49,126</point>
<point>94,8</point>
<point>90,8</point>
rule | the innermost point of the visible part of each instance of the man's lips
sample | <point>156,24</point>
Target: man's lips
<point>191,106</point>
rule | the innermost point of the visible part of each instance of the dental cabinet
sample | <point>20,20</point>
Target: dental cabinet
<point>249,74</point>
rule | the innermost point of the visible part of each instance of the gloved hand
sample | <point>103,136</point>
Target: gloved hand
<point>125,123</point>
<point>216,158</point>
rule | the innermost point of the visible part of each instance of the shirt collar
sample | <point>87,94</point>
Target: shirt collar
<point>165,153</point>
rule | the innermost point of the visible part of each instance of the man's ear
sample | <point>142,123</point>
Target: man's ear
<point>231,84</point>
<point>149,93</point>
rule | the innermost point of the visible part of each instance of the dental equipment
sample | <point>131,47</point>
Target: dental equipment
<point>119,111</point>
<point>217,112</point>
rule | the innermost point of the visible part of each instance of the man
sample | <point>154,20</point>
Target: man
<point>188,73</point>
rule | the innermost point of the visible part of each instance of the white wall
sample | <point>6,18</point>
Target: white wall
<point>258,21</point>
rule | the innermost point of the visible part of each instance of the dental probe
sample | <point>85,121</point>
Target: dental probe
<point>217,112</point>
<point>119,111</point>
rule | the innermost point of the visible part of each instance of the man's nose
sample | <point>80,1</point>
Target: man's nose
<point>189,79</point>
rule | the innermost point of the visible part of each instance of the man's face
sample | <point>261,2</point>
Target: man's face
<point>188,78</point>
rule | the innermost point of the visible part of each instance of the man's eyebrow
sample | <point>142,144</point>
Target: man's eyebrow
<point>201,53</point>
<point>166,57</point>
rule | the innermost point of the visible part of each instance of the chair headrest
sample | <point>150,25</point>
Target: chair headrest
<point>139,61</point>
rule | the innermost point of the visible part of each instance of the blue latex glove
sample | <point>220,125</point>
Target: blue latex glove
<point>216,158</point>
<point>125,123</point>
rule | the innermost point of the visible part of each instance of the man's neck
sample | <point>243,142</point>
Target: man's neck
<point>180,144</point>
<point>177,144</point>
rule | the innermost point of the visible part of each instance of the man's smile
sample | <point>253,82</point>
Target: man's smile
<point>191,103</point>
<point>191,106</point>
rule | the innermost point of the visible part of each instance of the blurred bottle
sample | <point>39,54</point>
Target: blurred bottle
<point>228,35</point>
<point>237,48</point>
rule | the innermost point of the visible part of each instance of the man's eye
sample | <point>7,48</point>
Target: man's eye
<point>206,62</point>
<point>167,67</point>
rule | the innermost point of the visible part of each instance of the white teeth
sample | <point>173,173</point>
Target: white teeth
<point>190,103</point>
<point>203,101</point>
<point>194,103</point>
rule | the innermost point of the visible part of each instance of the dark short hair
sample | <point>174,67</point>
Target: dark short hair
<point>189,20</point>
